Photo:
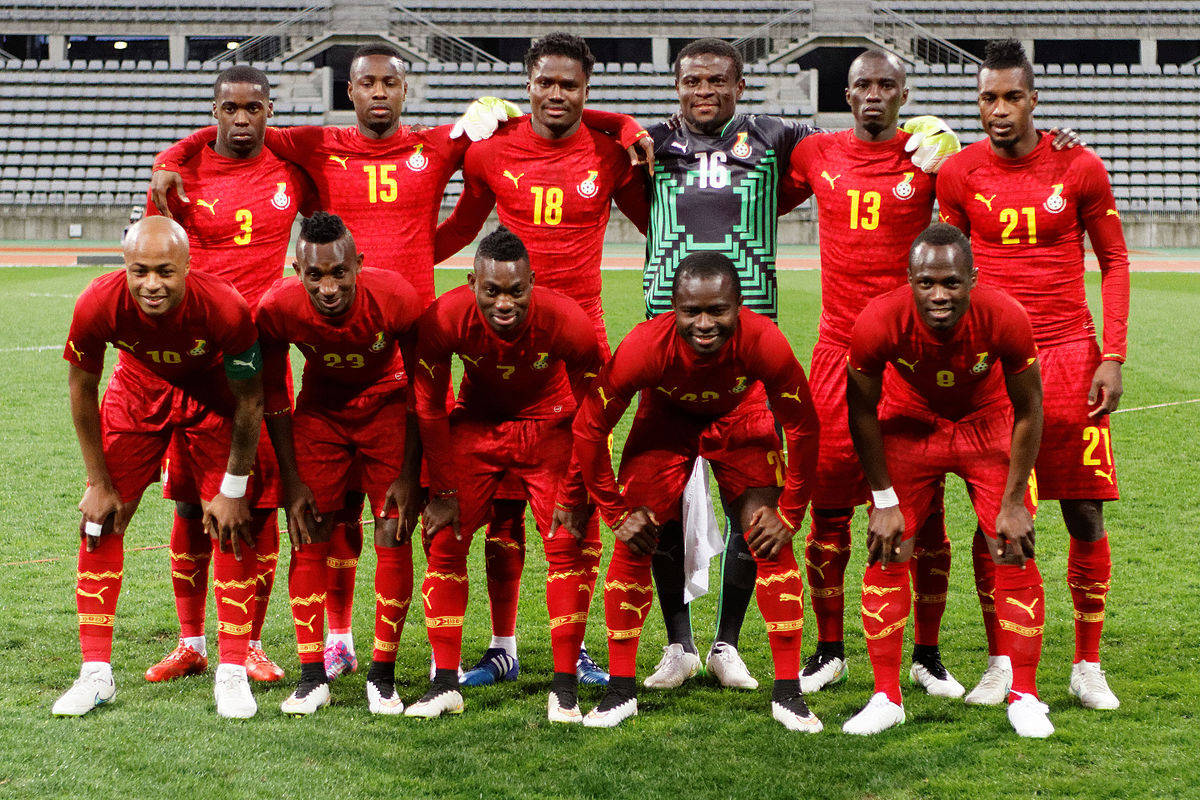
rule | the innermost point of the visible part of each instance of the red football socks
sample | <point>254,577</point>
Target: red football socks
<point>308,580</point>
<point>444,591</point>
<point>826,554</point>
<point>98,583</point>
<point>930,566</point>
<point>627,599</point>
<point>1089,574</point>
<point>393,593</point>
<point>266,529</point>
<point>233,588</point>
<point>985,586</point>
<point>779,590</point>
<point>190,551</point>
<point>569,582</point>
<point>504,555</point>
<point>344,547</point>
<point>1021,615</point>
<point>886,601</point>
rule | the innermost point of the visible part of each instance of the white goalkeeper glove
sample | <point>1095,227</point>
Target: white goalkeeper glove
<point>931,143</point>
<point>482,118</point>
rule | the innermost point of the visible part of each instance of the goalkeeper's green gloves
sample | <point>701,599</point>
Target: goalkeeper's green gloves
<point>931,143</point>
<point>482,118</point>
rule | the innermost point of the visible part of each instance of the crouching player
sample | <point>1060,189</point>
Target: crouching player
<point>176,333</point>
<point>949,410</point>
<point>706,372</point>
<point>356,329</point>
<point>528,355</point>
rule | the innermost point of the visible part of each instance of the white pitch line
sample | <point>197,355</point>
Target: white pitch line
<point>51,294</point>
<point>1157,405</point>
<point>36,349</point>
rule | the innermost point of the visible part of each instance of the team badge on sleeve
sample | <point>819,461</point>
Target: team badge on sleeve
<point>417,161</point>
<point>904,189</point>
<point>1055,202</point>
<point>587,187</point>
<point>281,200</point>
<point>741,148</point>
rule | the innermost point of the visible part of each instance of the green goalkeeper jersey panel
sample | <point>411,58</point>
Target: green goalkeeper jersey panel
<point>718,193</point>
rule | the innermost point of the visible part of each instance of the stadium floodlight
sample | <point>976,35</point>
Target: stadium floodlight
<point>120,45</point>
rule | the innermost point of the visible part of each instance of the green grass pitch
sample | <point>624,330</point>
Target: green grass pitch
<point>700,741</point>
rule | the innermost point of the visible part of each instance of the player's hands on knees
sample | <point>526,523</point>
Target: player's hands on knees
<point>1065,139</point>
<point>573,520</point>
<point>228,521</point>
<point>639,531</point>
<point>885,532</point>
<point>99,504</point>
<point>302,515</point>
<point>768,534</point>
<point>405,497</point>
<point>1014,534</point>
<point>1106,390</point>
<point>439,513</point>
<point>162,183</point>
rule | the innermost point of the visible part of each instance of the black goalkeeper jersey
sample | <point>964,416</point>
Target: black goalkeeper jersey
<point>718,193</point>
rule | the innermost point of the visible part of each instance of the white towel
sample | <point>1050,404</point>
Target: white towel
<point>701,536</point>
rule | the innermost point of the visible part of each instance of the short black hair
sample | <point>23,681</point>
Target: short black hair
<point>502,245</point>
<point>940,234</point>
<point>1007,54</point>
<point>711,47</point>
<point>322,228</point>
<point>560,44</point>
<point>379,49</point>
<point>707,264</point>
<point>242,73</point>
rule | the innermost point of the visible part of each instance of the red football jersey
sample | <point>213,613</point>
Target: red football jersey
<point>239,220</point>
<point>537,373</point>
<point>554,194</point>
<point>185,347</point>
<point>1026,218</point>
<point>387,191</point>
<point>349,356</point>
<point>872,203</point>
<point>675,380</point>
<point>946,373</point>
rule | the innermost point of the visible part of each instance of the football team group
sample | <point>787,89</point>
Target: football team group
<point>965,346</point>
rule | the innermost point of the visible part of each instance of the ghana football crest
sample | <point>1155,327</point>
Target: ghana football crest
<point>741,147</point>
<point>417,161</point>
<point>1055,202</point>
<point>587,188</point>
<point>281,200</point>
<point>904,189</point>
<point>981,365</point>
<point>379,342</point>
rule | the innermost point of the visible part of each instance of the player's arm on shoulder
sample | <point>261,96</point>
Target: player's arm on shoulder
<point>296,144</point>
<point>627,131</point>
<point>794,187</point>
<point>165,179</point>
<point>949,188</point>
<point>632,197</point>
<point>470,213</point>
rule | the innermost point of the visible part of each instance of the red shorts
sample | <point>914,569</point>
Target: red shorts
<point>742,447</point>
<point>1076,458</point>
<point>139,417</point>
<point>265,491</point>
<point>920,453</point>
<point>358,447</point>
<point>532,453</point>
<point>840,480</point>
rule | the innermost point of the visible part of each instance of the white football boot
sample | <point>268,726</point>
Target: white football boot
<point>1091,687</point>
<point>1030,717</point>
<point>437,701</point>
<point>675,667</point>
<point>383,700</point>
<point>821,670</point>
<point>307,699</point>
<point>876,716</point>
<point>993,686</point>
<point>232,692</point>
<point>558,713</point>
<point>94,687</point>
<point>727,667</point>
<point>935,684</point>
<point>600,717</point>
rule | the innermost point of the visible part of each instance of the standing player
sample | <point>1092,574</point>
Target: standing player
<point>1026,208</point>
<point>238,228</point>
<point>356,328</point>
<point>947,411</point>
<point>528,355</point>
<point>705,373</point>
<point>553,182</point>
<point>175,333</point>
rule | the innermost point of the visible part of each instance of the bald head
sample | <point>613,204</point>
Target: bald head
<point>156,264</point>
<point>875,90</point>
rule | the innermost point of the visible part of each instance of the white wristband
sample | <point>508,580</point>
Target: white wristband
<point>234,486</point>
<point>885,498</point>
<point>92,528</point>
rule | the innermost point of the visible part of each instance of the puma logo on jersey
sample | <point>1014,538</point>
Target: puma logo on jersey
<point>668,392</point>
<point>875,615</point>
<point>911,367</point>
<point>987,201</point>
<point>233,602</point>
<point>98,594</point>
<point>126,346</point>
<point>604,401</point>
<point>474,362</point>
<point>793,395</point>
<point>516,179</point>
<point>74,349</point>
<point>1108,476</point>
<point>300,623</point>
<point>191,579</point>
<point>211,205</point>
<point>199,348</point>
<point>340,160</point>
<point>639,610</point>
<point>428,368</point>
<point>237,362</point>
<point>1028,609</point>
<point>1112,212</point>
<point>831,179</point>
